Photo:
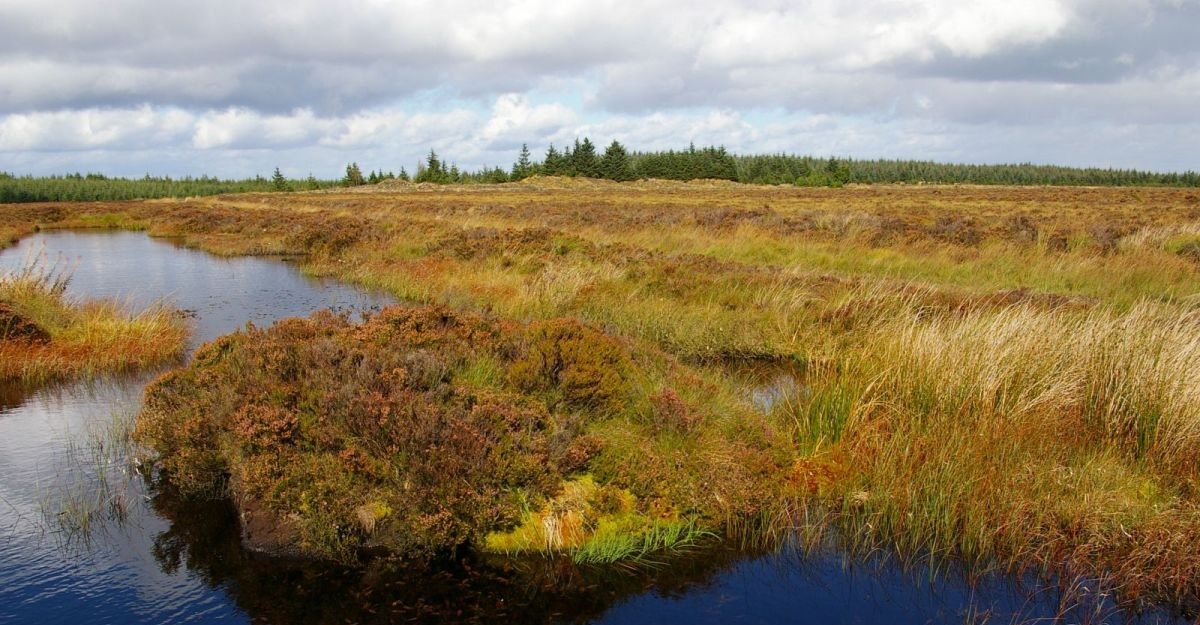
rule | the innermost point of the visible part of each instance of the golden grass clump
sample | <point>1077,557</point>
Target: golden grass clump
<point>1020,436</point>
<point>48,336</point>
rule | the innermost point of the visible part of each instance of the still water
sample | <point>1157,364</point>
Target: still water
<point>170,561</point>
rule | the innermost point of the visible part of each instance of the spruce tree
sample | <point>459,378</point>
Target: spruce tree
<point>615,164</point>
<point>432,171</point>
<point>553,165</point>
<point>354,176</point>
<point>279,181</point>
<point>583,159</point>
<point>523,168</point>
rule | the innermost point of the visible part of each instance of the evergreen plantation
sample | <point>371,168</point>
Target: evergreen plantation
<point>615,162</point>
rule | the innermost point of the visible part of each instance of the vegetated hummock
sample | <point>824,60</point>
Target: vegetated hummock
<point>421,430</point>
<point>1004,377</point>
<point>45,335</point>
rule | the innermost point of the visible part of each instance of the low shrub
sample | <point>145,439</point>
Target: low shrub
<point>334,437</point>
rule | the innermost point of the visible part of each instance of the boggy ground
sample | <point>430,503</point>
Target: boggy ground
<point>45,335</point>
<point>1004,376</point>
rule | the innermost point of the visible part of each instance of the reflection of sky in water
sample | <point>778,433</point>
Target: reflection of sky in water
<point>224,293</point>
<point>119,580</point>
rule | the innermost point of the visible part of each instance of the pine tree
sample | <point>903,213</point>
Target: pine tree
<point>583,159</point>
<point>278,181</point>
<point>553,165</point>
<point>615,164</point>
<point>523,168</point>
<point>354,176</point>
<point>432,171</point>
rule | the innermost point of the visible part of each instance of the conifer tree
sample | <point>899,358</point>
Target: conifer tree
<point>553,165</point>
<point>615,164</point>
<point>278,181</point>
<point>523,168</point>
<point>354,176</point>
<point>433,170</point>
<point>583,159</point>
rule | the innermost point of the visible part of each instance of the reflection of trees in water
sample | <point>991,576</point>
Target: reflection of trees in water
<point>204,537</point>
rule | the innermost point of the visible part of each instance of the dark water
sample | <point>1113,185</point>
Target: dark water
<point>174,561</point>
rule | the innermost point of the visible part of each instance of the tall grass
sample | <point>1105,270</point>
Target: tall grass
<point>1013,437</point>
<point>85,338</point>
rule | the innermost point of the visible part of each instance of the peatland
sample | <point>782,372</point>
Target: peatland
<point>998,377</point>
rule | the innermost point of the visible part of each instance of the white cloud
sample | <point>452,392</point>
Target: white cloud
<point>475,80</point>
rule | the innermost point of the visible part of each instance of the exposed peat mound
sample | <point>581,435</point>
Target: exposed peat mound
<point>17,327</point>
<point>422,430</point>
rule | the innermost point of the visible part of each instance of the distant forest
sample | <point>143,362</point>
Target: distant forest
<point>615,162</point>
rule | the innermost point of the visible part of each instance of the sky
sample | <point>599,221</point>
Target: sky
<point>130,87</point>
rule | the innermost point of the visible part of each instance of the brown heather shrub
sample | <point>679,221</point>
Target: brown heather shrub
<point>587,367</point>
<point>334,437</point>
<point>671,413</point>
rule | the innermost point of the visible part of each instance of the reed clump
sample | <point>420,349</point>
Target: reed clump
<point>46,335</point>
<point>1064,441</point>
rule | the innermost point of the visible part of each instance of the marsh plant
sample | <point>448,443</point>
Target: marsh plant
<point>97,482</point>
<point>47,335</point>
<point>1000,376</point>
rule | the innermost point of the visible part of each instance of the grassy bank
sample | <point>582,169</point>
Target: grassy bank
<point>996,375</point>
<point>1019,438</point>
<point>45,335</point>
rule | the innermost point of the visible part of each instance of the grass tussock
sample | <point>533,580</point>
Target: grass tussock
<point>45,335</point>
<point>1017,438</point>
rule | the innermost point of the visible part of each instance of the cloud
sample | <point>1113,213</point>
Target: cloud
<point>320,80</point>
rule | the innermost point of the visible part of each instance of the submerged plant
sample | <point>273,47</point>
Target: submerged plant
<point>97,481</point>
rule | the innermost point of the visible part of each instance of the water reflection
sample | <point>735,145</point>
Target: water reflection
<point>465,589</point>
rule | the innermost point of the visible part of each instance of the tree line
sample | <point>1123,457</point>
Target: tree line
<point>582,159</point>
<point>615,162</point>
<point>98,187</point>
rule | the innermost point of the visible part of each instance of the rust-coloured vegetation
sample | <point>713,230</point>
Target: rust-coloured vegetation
<point>404,432</point>
<point>45,335</point>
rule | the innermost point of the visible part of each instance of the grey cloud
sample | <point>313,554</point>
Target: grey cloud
<point>1108,42</point>
<point>319,74</point>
